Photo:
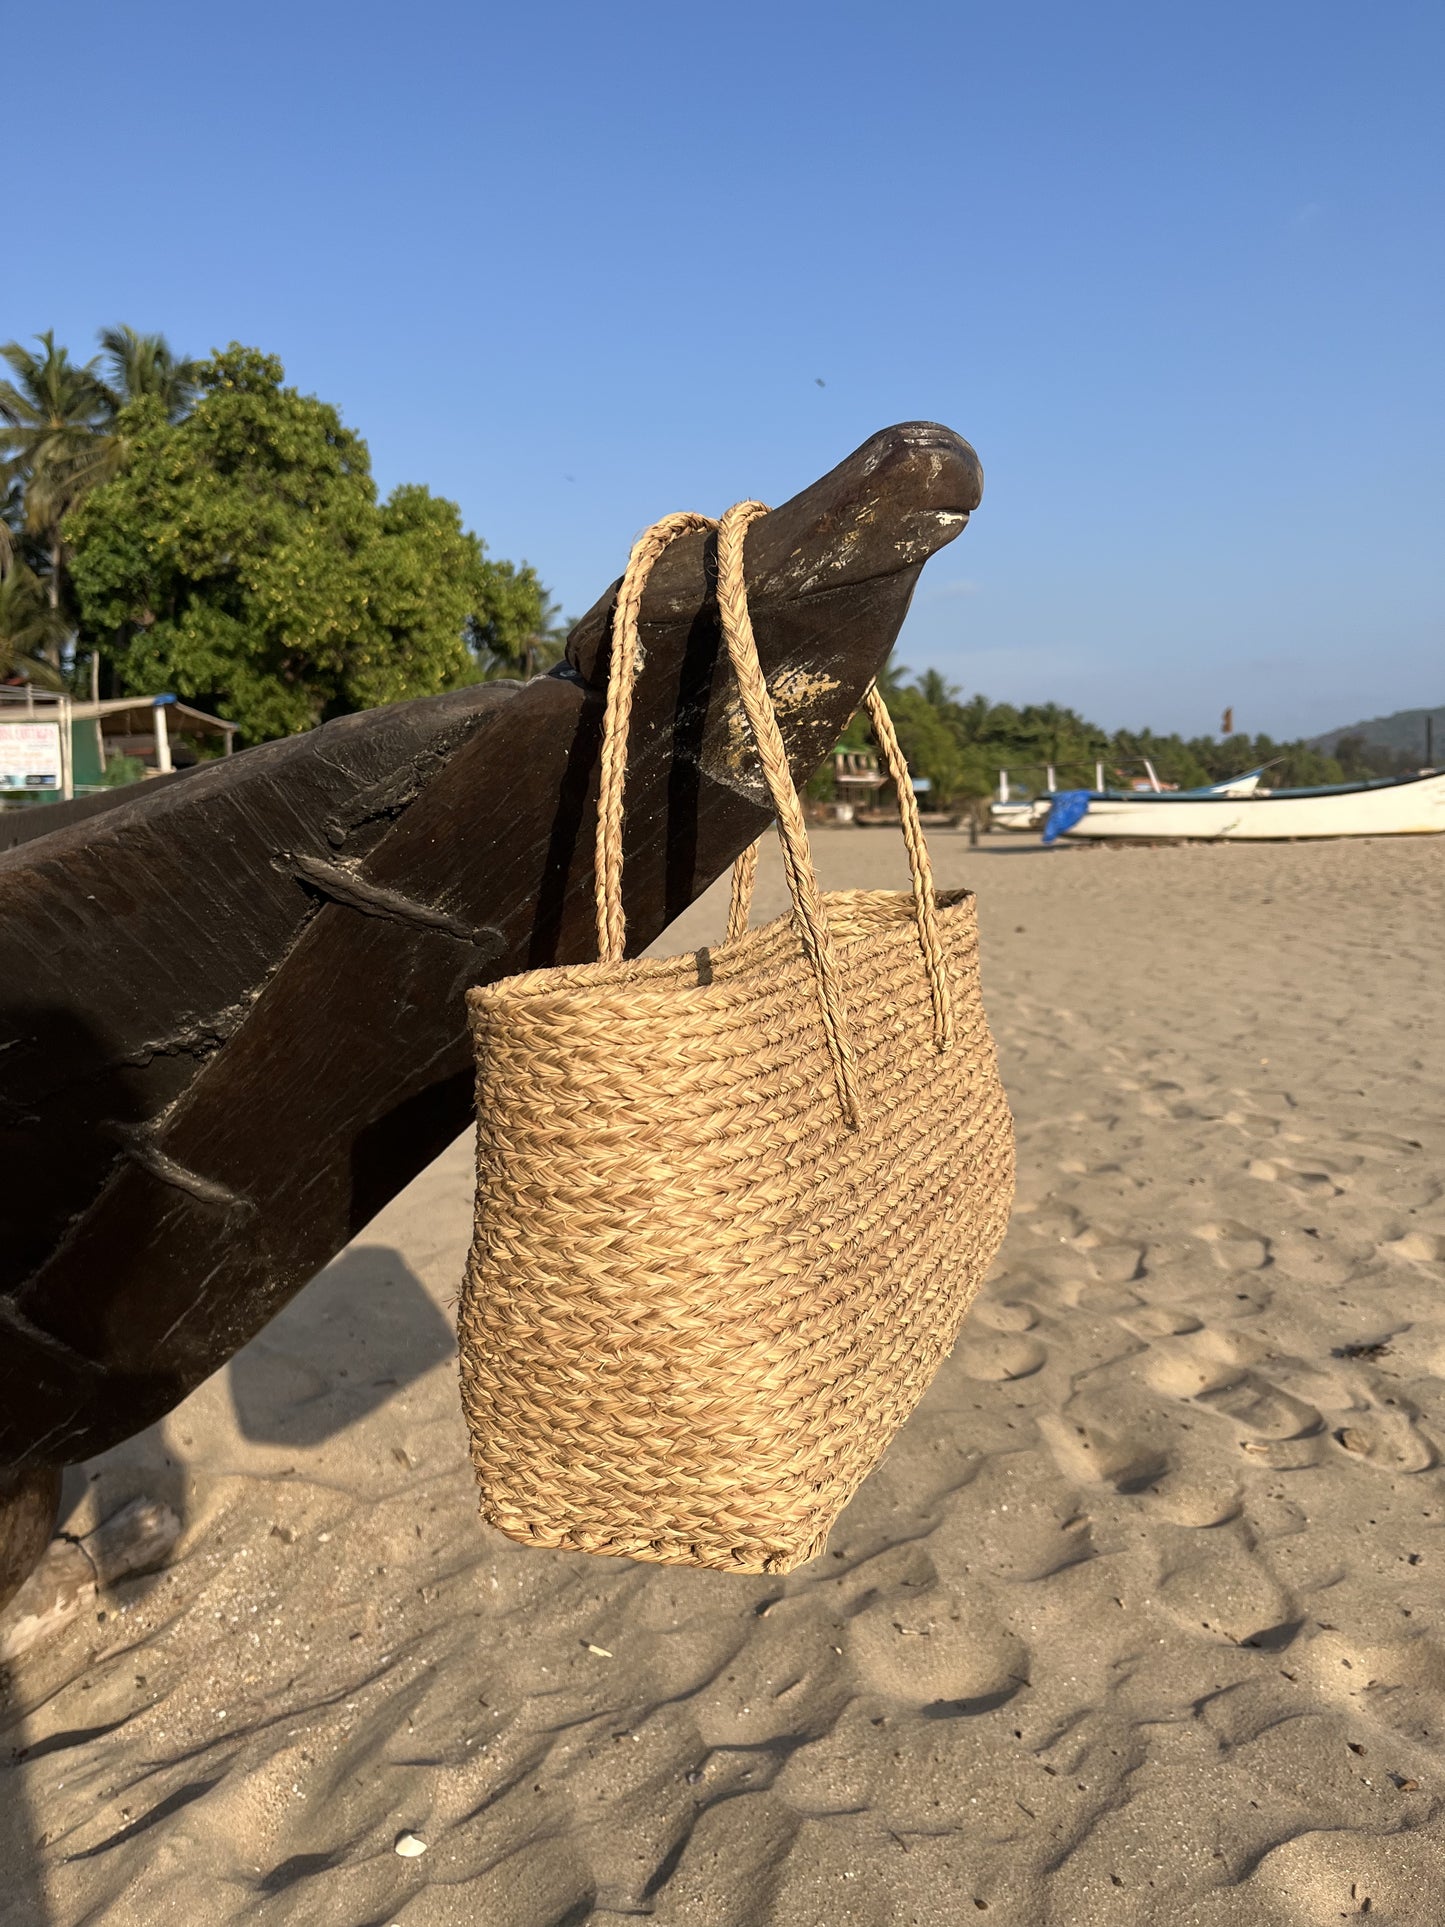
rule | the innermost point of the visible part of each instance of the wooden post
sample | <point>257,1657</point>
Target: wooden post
<point>163,741</point>
<point>95,699</point>
<point>67,751</point>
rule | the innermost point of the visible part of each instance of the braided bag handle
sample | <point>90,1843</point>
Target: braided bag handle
<point>924,896</point>
<point>809,917</point>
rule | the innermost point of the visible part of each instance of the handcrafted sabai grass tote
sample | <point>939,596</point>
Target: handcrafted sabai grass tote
<point>731,1206</point>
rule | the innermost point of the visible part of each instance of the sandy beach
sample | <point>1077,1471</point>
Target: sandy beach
<point>1141,1621</point>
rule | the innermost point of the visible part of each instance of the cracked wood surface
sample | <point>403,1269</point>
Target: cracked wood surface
<point>232,1022</point>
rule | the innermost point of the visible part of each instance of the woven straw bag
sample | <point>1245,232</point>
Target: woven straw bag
<point>731,1206</point>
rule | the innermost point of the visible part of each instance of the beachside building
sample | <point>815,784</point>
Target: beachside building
<point>53,747</point>
<point>857,780</point>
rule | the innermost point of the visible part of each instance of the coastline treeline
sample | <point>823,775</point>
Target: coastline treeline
<point>959,743</point>
<point>200,527</point>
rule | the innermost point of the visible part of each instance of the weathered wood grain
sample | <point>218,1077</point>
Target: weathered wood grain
<point>69,1573</point>
<point>231,1017</point>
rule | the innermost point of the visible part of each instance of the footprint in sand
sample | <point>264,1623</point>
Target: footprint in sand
<point>1314,1184</point>
<point>1412,1190</point>
<point>1057,1222</point>
<point>1388,1441</point>
<point>998,1355</point>
<point>1384,1141</point>
<point>1252,1123</point>
<point>1309,1183</point>
<point>1198,1498</point>
<point>1166,1100</point>
<point>943,1652</point>
<point>1087,1294</point>
<point>1236,1247</point>
<point>1214,1369</point>
<point>1113,1264</point>
<point>1199,1362</point>
<point>1343,1873</point>
<point>1225,1588</point>
<point>1328,1158</point>
<point>1159,1321</point>
<point>1006,1315</point>
<point>1417,1247</point>
<point>1091,1456</point>
<point>1344,1663</point>
<point>1262,1410</point>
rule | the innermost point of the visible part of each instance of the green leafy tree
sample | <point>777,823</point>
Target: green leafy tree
<point>930,742</point>
<point>241,557</point>
<point>1361,760</point>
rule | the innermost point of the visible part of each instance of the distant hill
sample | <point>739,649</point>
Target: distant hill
<point>1404,731</point>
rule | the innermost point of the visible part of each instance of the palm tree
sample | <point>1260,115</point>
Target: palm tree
<point>544,647</point>
<point>30,630</point>
<point>59,439</point>
<point>52,447</point>
<point>12,518</point>
<point>535,654</point>
<point>144,365</point>
<point>936,689</point>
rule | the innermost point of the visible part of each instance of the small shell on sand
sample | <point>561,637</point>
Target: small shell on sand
<point>409,1845</point>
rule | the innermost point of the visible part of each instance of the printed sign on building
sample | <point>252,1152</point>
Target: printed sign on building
<point>29,756</point>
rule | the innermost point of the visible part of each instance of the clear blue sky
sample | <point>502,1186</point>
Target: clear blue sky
<point>1175,271</point>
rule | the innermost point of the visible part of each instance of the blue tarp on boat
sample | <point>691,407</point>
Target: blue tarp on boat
<point>1068,808</point>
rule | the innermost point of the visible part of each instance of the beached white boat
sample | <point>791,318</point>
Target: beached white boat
<point>1033,812</point>
<point>1392,806</point>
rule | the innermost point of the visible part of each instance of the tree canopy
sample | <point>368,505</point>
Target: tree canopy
<point>959,745</point>
<point>239,556</point>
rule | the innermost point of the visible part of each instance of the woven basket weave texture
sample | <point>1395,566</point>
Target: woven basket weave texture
<point>731,1206</point>
<point>698,1306</point>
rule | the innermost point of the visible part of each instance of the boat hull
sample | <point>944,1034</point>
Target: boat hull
<point>1411,807</point>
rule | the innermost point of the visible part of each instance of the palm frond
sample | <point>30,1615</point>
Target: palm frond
<point>145,365</point>
<point>55,444</point>
<point>30,630</point>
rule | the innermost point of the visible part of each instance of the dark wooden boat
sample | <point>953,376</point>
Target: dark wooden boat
<point>231,1012</point>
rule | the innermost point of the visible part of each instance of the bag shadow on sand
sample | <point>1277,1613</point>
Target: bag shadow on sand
<point>362,1329</point>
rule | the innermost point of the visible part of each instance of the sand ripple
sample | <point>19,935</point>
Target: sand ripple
<point>1141,1621</point>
